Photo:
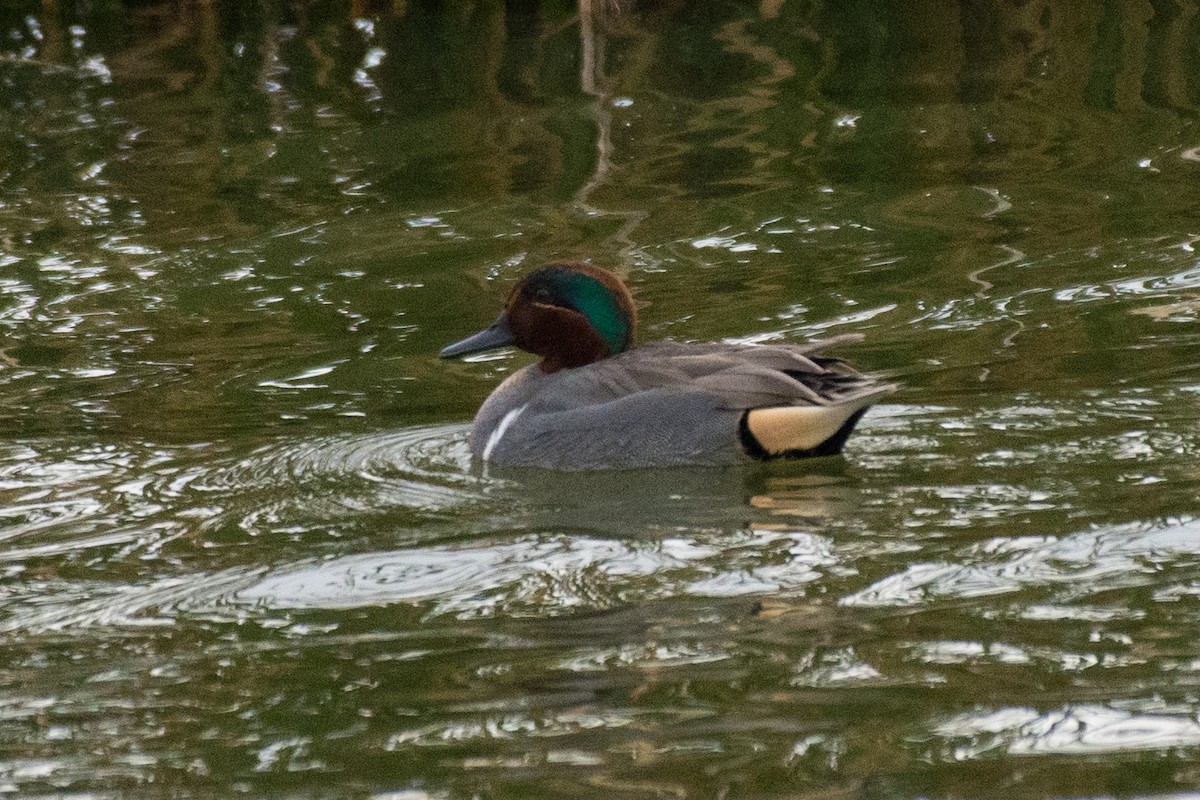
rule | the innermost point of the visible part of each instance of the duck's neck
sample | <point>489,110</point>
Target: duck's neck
<point>581,346</point>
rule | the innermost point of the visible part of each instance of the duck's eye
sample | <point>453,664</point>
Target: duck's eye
<point>542,294</point>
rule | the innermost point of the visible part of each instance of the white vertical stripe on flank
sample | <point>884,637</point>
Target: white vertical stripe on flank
<point>498,434</point>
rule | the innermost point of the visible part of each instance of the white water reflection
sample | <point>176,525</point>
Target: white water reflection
<point>550,575</point>
<point>1072,730</point>
<point>512,726</point>
<point>840,668</point>
<point>646,656</point>
<point>63,606</point>
<point>1076,566</point>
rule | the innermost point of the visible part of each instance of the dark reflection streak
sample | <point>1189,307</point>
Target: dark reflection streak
<point>53,49</point>
<point>209,54</point>
<point>593,81</point>
<point>760,96</point>
<point>1100,91</point>
<point>323,63</point>
<point>1129,90</point>
<point>1163,82</point>
<point>1189,38</point>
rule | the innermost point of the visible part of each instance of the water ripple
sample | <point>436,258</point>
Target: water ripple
<point>546,575</point>
<point>143,497</point>
<point>424,468</point>
<point>1076,566</point>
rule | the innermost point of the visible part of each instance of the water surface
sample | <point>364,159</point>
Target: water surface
<point>245,552</point>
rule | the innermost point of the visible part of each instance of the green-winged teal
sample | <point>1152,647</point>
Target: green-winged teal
<point>595,401</point>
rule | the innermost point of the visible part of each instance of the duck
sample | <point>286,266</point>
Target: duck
<point>595,400</point>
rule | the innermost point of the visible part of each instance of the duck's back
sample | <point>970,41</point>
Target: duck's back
<point>667,403</point>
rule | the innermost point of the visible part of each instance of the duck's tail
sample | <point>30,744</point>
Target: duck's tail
<point>805,431</point>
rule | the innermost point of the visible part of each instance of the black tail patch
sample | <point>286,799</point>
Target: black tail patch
<point>830,447</point>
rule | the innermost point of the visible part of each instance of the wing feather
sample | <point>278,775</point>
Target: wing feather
<point>735,376</point>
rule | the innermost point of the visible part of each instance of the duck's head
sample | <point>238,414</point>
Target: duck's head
<point>569,314</point>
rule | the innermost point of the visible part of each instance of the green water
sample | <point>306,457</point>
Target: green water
<point>243,551</point>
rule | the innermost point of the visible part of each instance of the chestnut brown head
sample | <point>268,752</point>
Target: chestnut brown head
<point>570,314</point>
